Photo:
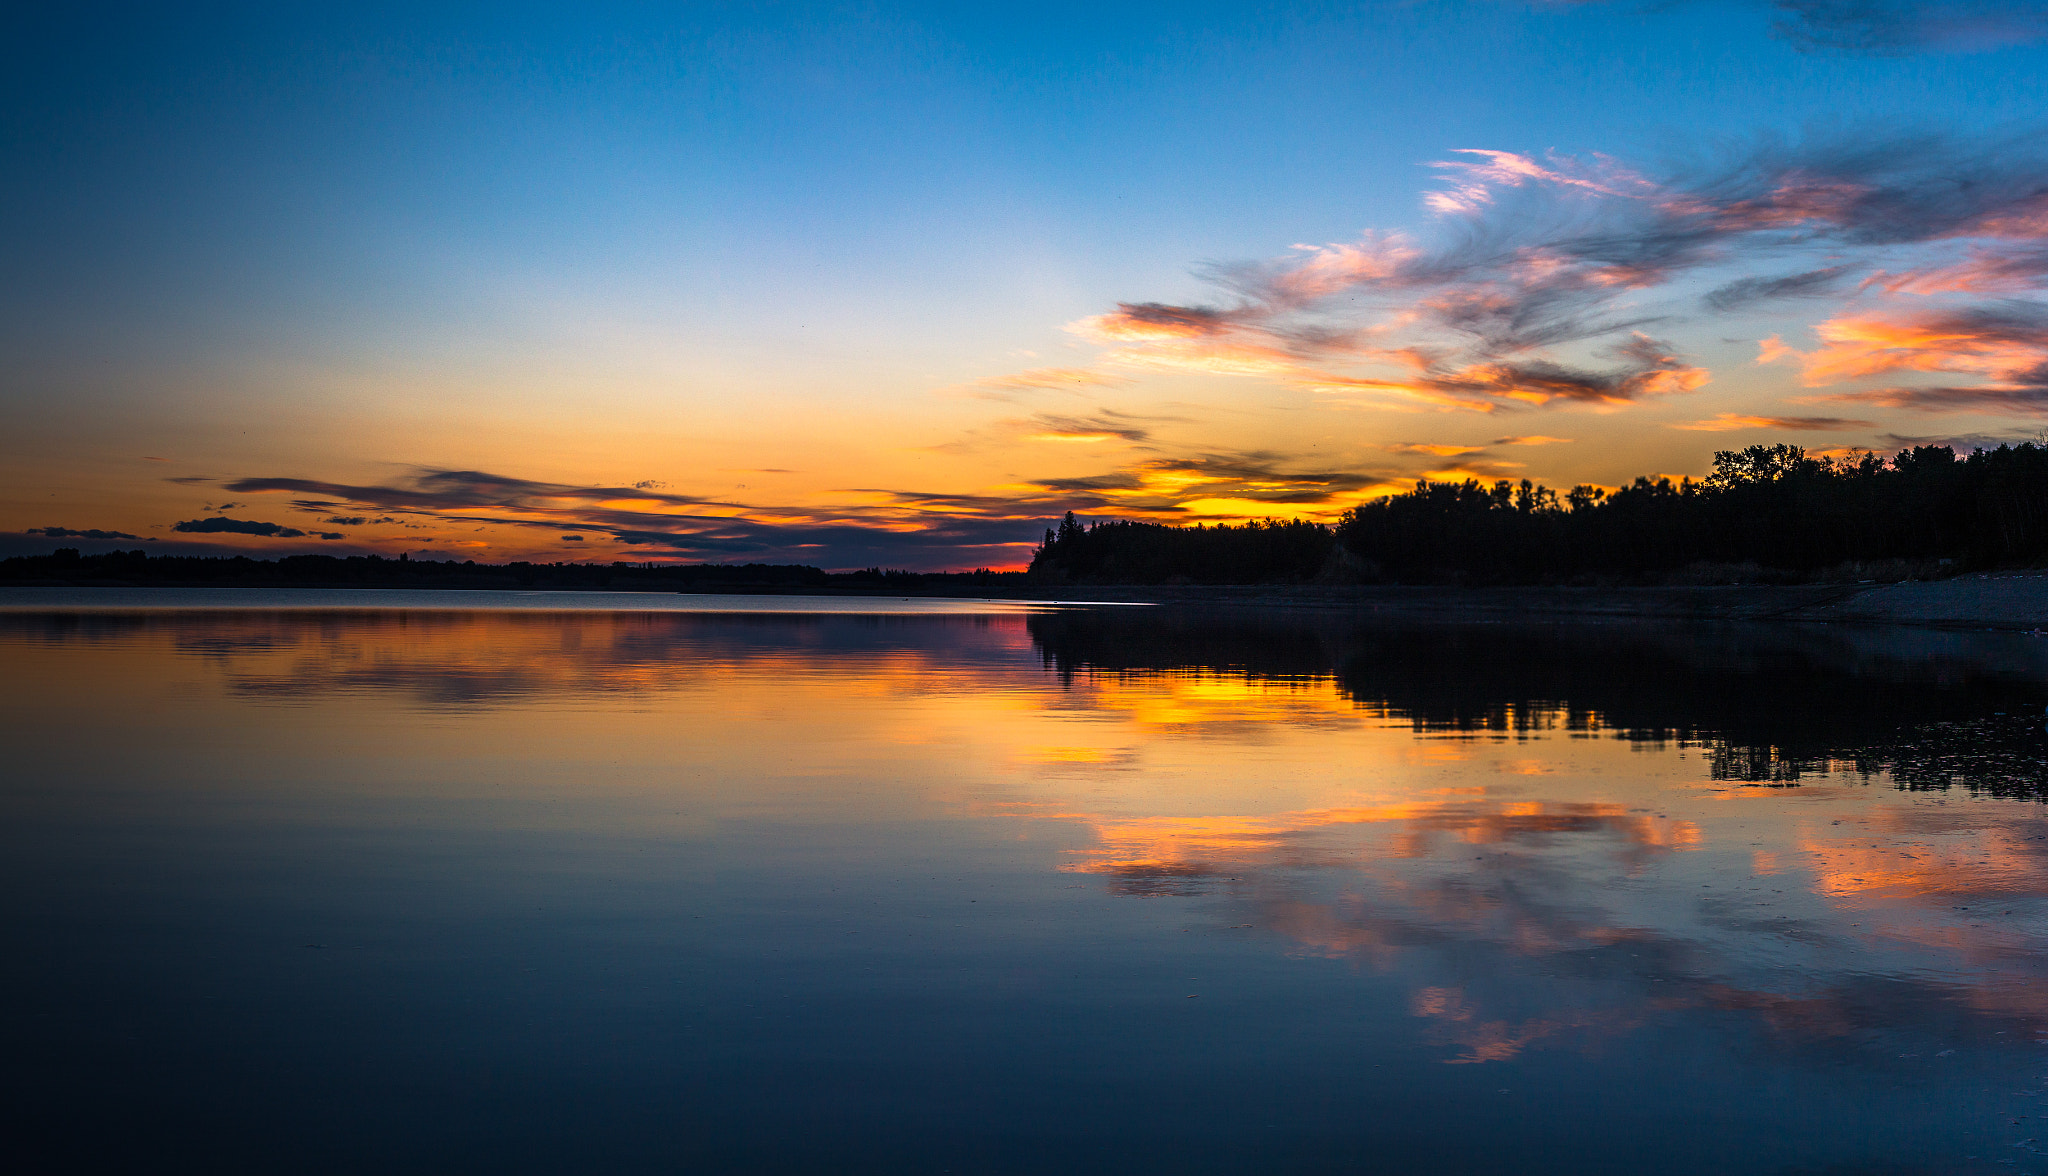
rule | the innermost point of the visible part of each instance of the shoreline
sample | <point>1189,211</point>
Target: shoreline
<point>2016,601</point>
<point>2013,601</point>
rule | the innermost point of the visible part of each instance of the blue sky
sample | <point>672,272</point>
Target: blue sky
<point>767,258</point>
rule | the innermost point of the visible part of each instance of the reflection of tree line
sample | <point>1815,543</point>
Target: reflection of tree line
<point>1769,705</point>
<point>1768,512</point>
<point>452,657</point>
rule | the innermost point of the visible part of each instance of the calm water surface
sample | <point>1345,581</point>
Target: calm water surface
<point>997,890</point>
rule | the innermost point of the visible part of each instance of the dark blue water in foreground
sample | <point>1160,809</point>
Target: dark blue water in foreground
<point>443,891</point>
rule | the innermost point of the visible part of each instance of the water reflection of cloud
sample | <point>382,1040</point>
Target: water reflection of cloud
<point>1529,911</point>
<point>1419,827</point>
<point>1502,961</point>
<point>1490,818</point>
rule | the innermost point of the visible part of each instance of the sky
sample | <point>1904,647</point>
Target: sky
<point>899,284</point>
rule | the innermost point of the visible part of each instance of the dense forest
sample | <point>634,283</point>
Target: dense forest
<point>138,568</point>
<point>1766,513</point>
<point>1122,552</point>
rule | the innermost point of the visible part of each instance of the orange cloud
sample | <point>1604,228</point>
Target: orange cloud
<point>1331,269</point>
<point>1984,342</point>
<point>1986,270</point>
<point>1436,450</point>
<point>1649,368</point>
<point>1728,422</point>
<point>2008,343</point>
<point>1049,379</point>
<point>1151,322</point>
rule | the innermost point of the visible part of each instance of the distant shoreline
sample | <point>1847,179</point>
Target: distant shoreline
<point>2016,601</point>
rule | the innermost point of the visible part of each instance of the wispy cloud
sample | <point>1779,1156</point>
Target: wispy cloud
<point>1429,450</point>
<point>2005,341</point>
<point>1729,422</point>
<point>499,516</point>
<point>1106,425</point>
<point>1550,281</point>
<point>1904,26</point>
<point>73,533</point>
<point>1884,27</point>
<point>1069,380</point>
<point>680,523</point>
<point>1745,292</point>
<point>1953,399</point>
<point>1184,485</point>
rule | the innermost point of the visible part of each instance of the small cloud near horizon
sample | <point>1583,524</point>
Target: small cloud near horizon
<point>72,533</point>
<point>227,526</point>
<point>1729,422</point>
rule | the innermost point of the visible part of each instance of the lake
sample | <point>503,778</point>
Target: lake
<point>477,882</point>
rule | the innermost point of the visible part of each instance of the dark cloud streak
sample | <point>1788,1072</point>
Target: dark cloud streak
<point>70,533</point>
<point>1884,28</point>
<point>1894,27</point>
<point>1745,292</point>
<point>226,526</point>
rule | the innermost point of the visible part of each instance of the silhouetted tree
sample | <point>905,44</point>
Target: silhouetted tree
<point>1765,511</point>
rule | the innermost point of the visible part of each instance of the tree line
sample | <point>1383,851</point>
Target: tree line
<point>1767,512</point>
<point>66,566</point>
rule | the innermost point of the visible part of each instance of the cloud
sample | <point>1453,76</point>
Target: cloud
<point>1952,399</point>
<point>1172,485</point>
<point>895,530</point>
<point>1435,450</point>
<point>2000,268</point>
<point>1890,28</point>
<point>1148,322</point>
<point>1103,425</point>
<point>346,520</point>
<point>1458,461</point>
<point>69,533</point>
<point>1048,379</point>
<point>226,526</point>
<point>1729,422</point>
<point>1648,367</point>
<point>859,527</point>
<point>453,489</point>
<point>1960,442</point>
<point>1548,281</point>
<point>1107,425</point>
<point>2005,341</point>
<point>572,538</point>
<point>1744,292</point>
